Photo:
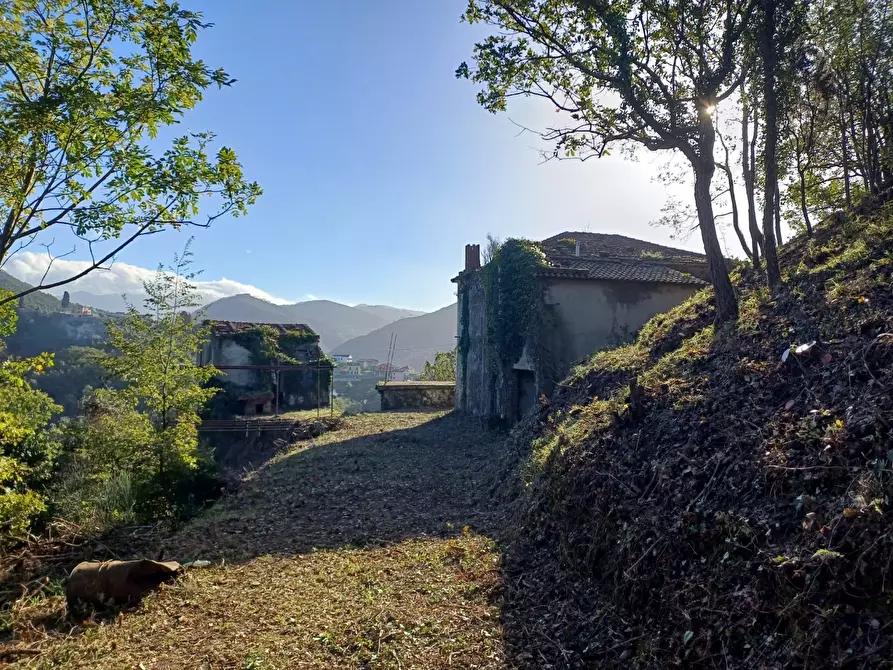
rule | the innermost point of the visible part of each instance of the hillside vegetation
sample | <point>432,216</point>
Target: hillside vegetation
<point>720,497</point>
<point>39,301</point>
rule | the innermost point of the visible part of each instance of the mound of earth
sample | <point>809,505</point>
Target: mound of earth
<point>720,496</point>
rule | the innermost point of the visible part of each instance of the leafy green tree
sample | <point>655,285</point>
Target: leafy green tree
<point>155,356</point>
<point>112,435</point>
<point>780,26</point>
<point>77,370</point>
<point>66,300</point>
<point>28,447</point>
<point>854,40</point>
<point>443,369</point>
<point>85,89</point>
<point>841,106</point>
<point>631,73</point>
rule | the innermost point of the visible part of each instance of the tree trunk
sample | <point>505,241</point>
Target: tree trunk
<point>872,161</point>
<point>726,302</point>
<point>770,158</point>
<point>777,214</point>
<point>704,167</point>
<point>748,169</point>
<point>845,158</point>
<point>731,181</point>
<point>734,200</point>
<point>803,206</point>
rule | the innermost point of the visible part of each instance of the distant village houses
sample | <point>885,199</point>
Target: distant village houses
<point>395,373</point>
<point>368,364</point>
<point>347,371</point>
<point>595,291</point>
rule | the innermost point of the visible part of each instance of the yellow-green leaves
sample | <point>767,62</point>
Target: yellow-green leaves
<point>27,445</point>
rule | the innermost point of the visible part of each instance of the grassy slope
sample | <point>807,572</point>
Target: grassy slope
<point>737,515</point>
<point>363,548</point>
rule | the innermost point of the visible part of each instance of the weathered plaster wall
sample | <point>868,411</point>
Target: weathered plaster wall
<point>234,354</point>
<point>222,351</point>
<point>593,315</point>
<point>578,318</point>
<point>418,395</point>
<point>475,387</point>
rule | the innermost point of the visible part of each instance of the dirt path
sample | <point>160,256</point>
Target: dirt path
<point>367,548</point>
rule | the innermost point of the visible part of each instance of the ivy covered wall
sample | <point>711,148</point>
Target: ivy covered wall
<point>303,387</point>
<point>499,313</point>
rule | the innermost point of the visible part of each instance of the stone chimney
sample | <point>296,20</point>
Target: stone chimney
<point>577,248</point>
<point>472,257</point>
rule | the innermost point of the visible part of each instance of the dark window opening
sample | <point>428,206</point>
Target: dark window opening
<point>259,408</point>
<point>526,390</point>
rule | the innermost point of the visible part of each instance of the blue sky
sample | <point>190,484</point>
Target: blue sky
<point>377,165</point>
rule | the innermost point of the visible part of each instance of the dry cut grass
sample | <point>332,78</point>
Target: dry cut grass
<point>364,548</point>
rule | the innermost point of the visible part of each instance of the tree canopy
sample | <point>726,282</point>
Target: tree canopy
<point>631,73</point>
<point>86,90</point>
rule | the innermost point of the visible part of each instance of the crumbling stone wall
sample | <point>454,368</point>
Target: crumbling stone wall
<point>416,395</point>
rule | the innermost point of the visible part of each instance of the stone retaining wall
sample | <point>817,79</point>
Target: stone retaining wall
<point>416,395</point>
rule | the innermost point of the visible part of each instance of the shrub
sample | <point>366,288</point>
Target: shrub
<point>28,447</point>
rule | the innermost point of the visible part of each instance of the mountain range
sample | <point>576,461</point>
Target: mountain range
<point>363,331</point>
<point>333,322</point>
<point>418,339</point>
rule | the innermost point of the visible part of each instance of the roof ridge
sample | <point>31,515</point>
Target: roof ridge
<point>616,240</point>
<point>616,259</point>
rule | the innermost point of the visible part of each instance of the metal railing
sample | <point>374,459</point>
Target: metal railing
<point>246,425</point>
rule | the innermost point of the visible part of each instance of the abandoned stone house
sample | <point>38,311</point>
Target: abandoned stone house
<point>595,291</point>
<point>266,368</point>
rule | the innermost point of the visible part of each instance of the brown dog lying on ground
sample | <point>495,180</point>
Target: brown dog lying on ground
<point>117,582</point>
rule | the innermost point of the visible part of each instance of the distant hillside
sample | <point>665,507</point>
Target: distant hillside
<point>418,339</point>
<point>333,322</point>
<point>244,307</point>
<point>73,339</point>
<point>38,301</point>
<point>389,314</point>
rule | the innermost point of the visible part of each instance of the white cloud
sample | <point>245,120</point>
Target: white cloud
<point>121,278</point>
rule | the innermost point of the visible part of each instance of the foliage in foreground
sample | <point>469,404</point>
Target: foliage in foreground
<point>443,369</point>
<point>148,428</point>
<point>132,453</point>
<point>28,446</point>
<point>85,89</point>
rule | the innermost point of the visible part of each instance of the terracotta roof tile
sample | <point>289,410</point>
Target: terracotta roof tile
<point>590,268</point>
